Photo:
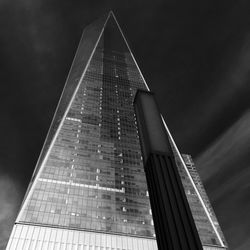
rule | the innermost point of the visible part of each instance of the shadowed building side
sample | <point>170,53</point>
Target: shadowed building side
<point>174,224</point>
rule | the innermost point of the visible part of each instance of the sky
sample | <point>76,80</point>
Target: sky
<point>195,57</point>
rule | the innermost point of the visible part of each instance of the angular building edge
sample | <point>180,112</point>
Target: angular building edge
<point>59,115</point>
<point>95,29</point>
<point>194,186</point>
<point>32,234</point>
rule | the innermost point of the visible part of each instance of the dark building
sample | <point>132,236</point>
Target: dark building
<point>89,190</point>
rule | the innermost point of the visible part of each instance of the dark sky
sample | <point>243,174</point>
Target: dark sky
<point>195,56</point>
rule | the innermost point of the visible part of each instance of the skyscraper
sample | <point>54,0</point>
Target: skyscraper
<point>199,216</point>
<point>89,190</point>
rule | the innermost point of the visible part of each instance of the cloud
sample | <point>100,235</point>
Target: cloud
<point>211,92</point>
<point>234,80</point>
<point>229,147</point>
<point>244,245</point>
<point>10,197</point>
<point>224,168</point>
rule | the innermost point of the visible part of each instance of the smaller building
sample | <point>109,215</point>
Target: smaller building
<point>205,219</point>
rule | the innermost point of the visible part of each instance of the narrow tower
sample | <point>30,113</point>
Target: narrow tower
<point>88,190</point>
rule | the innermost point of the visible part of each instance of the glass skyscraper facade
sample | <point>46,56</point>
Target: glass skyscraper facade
<point>89,190</point>
<point>201,219</point>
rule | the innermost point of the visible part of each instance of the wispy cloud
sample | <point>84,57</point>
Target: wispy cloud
<point>219,101</point>
<point>224,168</point>
<point>243,246</point>
<point>10,197</point>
